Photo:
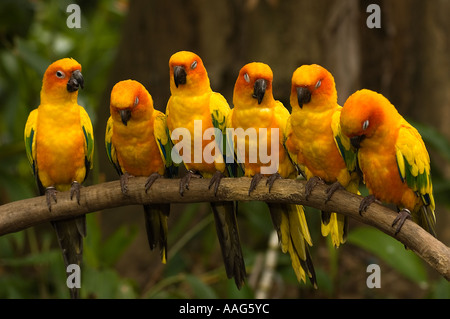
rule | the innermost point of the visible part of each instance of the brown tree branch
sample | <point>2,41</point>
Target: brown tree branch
<point>25,213</point>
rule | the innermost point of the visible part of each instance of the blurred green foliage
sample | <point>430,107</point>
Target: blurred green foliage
<point>32,35</point>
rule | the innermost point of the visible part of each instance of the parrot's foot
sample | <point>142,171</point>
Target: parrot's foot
<point>150,180</point>
<point>75,190</point>
<point>255,181</point>
<point>184,182</point>
<point>50,193</point>
<point>215,180</point>
<point>366,202</point>
<point>402,215</point>
<point>124,182</point>
<point>271,180</point>
<point>311,184</point>
<point>332,189</point>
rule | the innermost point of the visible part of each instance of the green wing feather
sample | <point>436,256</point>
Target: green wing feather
<point>89,139</point>
<point>30,139</point>
<point>110,149</point>
<point>220,113</point>
<point>413,163</point>
<point>347,151</point>
<point>165,145</point>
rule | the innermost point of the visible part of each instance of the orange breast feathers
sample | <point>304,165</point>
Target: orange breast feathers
<point>137,151</point>
<point>60,145</point>
<point>254,145</point>
<point>312,140</point>
<point>382,178</point>
<point>189,119</point>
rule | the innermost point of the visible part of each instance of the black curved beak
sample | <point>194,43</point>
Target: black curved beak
<point>303,96</point>
<point>75,82</point>
<point>179,75</point>
<point>356,141</point>
<point>125,115</point>
<point>259,89</point>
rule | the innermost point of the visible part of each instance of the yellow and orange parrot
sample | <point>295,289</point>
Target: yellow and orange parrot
<point>138,144</point>
<point>257,114</point>
<point>59,142</point>
<point>315,144</point>
<point>392,157</point>
<point>194,109</point>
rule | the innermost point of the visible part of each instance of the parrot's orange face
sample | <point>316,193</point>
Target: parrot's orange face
<point>130,98</point>
<point>62,77</point>
<point>362,114</point>
<point>312,83</point>
<point>187,73</point>
<point>253,84</point>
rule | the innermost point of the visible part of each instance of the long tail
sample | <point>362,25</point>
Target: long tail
<point>290,223</point>
<point>70,233</point>
<point>230,244</point>
<point>335,225</point>
<point>156,216</point>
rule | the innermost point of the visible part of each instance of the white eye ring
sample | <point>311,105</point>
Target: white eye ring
<point>60,74</point>
<point>318,84</point>
<point>136,101</point>
<point>246,78</point>
<point>194,65</point>
<point>365,125</point>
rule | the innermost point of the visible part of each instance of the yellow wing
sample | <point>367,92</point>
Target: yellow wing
<point>110,149</point>
<point>162,137</point>
<point>89,138</point>
<point>30,139</point>
<point>301,169</point>
<point>219,109</point>
<point>343,144</point>
<point>220,115</point>
<point>413,163</point>
<point>282,116</point>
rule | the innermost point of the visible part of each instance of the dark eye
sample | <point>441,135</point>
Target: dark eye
<point>365,125</point>
<point>136,101</point>
<point>246,78</point>
<point>194,65</point>
<point>60,74</point>
<point>318,84</point>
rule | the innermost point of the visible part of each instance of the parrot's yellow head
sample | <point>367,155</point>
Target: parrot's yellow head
<point>188,74</point>
<point>312,85</point>
<point>62,79</point>
<point>253,85</point>
<point>363,114</point>
<point>130,100</point>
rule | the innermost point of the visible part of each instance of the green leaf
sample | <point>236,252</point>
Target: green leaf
<point>233,293</point>
<point>116,244</point>
<point>31,56</point>
<point>441,289</point>
<point>200,289</point>
<point>390,251</point>
<point>105,284</point>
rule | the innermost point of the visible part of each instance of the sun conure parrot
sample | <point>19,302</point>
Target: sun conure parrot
<point>59,142</point>
<point>315,144</point>
<point>392,157</point>
<point>138,144</point>
<point>194,108</point>
<point>255,109</point>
